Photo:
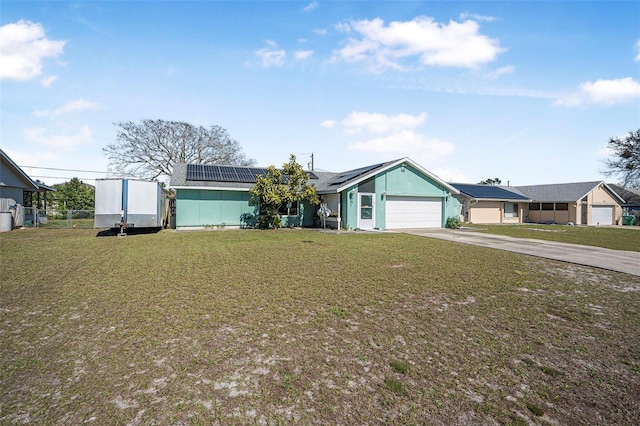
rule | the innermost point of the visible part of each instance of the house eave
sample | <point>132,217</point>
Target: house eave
<point>211,188</point>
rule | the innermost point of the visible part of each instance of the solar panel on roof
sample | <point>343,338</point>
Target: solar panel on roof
<point>203,172</point>
<point>195,172</point>
<point>345,177</point>
<point>488,191</point>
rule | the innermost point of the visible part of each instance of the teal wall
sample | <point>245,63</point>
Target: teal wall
<point>305,216</point>
<point>201,207</point>
<point>409,182</point>
<point>197,207</point>
<point>349,211</point>
<point>451,209</point>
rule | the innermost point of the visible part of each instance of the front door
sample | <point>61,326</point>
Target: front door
<point>366,211</point>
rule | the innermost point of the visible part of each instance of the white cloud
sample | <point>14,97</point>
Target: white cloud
<point>394,134</point>
<point>343,27</point>
<point>638,50</point>
<point>497,73</point>
<point>311,6</point>
<point>406,142</point>
<point>321,31</point>
<point>23,47</point>
<point>475,17</point>
<point>303,54</point>
<point>67,141</point>
<point>31,158</point>
<point>419,42</point>
<point>48,81</point>
<point>602,92</point>
<point>77,105</point>
<point>449,174</point>
<point>329,124</point>
<point>357,122</point>
<point>271,56</point>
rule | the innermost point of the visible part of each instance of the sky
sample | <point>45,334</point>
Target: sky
<point>528,92</point>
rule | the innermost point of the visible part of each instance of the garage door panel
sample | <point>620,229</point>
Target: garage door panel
<point>601,215</point>
<point>413,212</point>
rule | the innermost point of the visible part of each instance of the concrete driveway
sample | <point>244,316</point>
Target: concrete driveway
<point>613,260</point>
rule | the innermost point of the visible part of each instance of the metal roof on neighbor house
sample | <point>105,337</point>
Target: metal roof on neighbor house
<point>489,192</point>
<point>562,192</point>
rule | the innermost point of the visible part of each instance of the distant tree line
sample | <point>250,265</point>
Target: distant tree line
<point>72,195</point>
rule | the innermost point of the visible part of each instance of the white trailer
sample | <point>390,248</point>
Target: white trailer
<point>128,203</point>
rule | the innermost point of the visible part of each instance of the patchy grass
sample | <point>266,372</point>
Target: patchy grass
<point>400,366</point>
<point>243,327</point>
<point>396,387</point>
<point>616,238</point>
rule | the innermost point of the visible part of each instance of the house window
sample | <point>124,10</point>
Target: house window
<point>288,209</point>
<point>547,206</point>
<point>510,210</point>
<point>534,206</point>
<point>562,206</point>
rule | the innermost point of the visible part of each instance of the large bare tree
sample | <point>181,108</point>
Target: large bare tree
<point>625,159</point>
<point>150,149</point>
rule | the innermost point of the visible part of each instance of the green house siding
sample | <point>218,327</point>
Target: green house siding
<point>395,181</point>
<point>197,207</point>
<point>349,207</point>
<point>411,182</point>
<point>451,209</point>
<point>305,216</point>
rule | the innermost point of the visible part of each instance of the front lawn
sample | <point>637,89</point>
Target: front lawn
<point>616,238</point>
<point>268,327</point>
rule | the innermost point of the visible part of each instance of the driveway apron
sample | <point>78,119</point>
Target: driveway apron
<point>612,260</point>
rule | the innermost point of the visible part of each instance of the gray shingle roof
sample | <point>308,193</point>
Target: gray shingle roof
<point>630,196</point>
<point>559,192</point>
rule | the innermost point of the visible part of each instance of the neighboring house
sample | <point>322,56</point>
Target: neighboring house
<point>491,203</point>
<point>630,196</point>
<point>395,194</point>
<point>582,203</point>
<point>14,185</point>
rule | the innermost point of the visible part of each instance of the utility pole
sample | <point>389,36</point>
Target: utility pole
<point>310,164</point>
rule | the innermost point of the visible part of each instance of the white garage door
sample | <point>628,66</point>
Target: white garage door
<point>413,212</point>
<point>602,215</point>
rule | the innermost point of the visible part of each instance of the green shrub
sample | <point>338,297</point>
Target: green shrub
<point>453,223</point>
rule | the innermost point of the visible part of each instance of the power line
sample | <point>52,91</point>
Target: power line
<point>61,177</point>
<point>62,170</point>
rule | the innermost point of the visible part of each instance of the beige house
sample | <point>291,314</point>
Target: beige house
<point>581,203</point>
<point>491,204</point>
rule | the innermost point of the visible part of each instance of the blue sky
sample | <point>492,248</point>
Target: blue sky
<point>529,92</point>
